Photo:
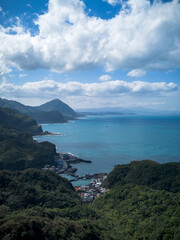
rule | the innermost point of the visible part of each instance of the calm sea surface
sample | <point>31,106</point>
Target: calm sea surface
<point>112,140</point>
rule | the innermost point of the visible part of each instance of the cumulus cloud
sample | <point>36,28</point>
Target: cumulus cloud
<point>142,36</point>
<point>51,88</point>
<point>136,73</point>
<point>113,2</point>
<point>21,75</point>
<point>105,78</point>
<point>4,69</point>
<point>29,5</point>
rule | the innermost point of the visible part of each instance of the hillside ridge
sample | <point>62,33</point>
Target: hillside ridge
<point>54,111</point>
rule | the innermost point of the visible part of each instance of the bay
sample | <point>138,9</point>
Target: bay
<point>111,140</point>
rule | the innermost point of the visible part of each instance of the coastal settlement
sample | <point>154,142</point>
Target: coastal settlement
<point>87,192</point>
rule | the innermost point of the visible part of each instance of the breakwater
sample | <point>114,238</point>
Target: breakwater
<point>65,160</point>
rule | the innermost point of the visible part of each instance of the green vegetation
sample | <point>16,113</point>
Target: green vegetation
<point>37,204</point>
<point>33,187</point>
<point>18,150</point>
<point>138,212</point>
<point>12,119</point>
<point>158,176</point>
<point>25,227</point>
<point>48,117</point>
<point>134,208</point>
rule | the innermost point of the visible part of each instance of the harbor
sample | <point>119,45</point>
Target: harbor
<point>88,186</point>
<point>64,161</point>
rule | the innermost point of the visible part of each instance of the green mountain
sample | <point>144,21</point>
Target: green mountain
<point>33,187</point>
<point>18,150</point>
<point>132,212</point>
<point>37,204</point>
<point>58,105</point>
<point>134,208</point>
<point>152,174</point>
<point>54,112</point>
<point>48,117</point>
<point>12,119</point>
<point>41,205</point>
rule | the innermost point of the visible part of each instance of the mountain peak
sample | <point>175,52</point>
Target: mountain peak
<point>57,105</point>
<point>56,100</point>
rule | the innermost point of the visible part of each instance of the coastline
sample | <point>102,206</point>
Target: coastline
<point>118,143</point>
<point>65,160</point>
<point>46,133</point>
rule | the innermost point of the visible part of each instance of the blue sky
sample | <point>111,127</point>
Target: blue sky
<point>102,53</point>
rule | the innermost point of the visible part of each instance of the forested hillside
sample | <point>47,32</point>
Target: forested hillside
<point>18,150</point>
<point>12,119</point>
<point>42,205</point>
<point>132,212</point>
<point>158,176</point>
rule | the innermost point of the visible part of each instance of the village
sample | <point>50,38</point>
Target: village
<point>87,192</point>
<point>91,191</point>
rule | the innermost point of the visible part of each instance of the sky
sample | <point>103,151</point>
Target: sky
<point>91,53</point>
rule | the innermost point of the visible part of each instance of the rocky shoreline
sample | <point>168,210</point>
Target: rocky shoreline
<point>48,133</point>
<point>65,160</point>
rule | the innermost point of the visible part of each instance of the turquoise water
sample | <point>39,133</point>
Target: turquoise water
<point>111,140</point>
<point>79,182</point>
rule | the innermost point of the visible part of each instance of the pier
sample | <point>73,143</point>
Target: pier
<point>64,161</point>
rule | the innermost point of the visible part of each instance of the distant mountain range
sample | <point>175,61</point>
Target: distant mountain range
<point>54,111</point>
<point>124,111</point>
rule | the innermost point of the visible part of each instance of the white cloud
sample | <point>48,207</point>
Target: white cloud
<point>136,73</point>
<point>2,12</point>
<point>29,5</point>
<point>11,75</point>
<point>21,75</point>
<point>51,88</point>
<point>113,2</point>
<point>105,78</point>
<point>141,36</point>
<point>101,94</point>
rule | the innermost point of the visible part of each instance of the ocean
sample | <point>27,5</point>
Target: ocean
<point>111,140</point>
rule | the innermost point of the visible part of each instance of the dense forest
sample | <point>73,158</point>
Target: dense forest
<point>18,150</point>
<point>12,119</point>
<point>158,176</point>
<point>37,204</point>
<point>142,201</point>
